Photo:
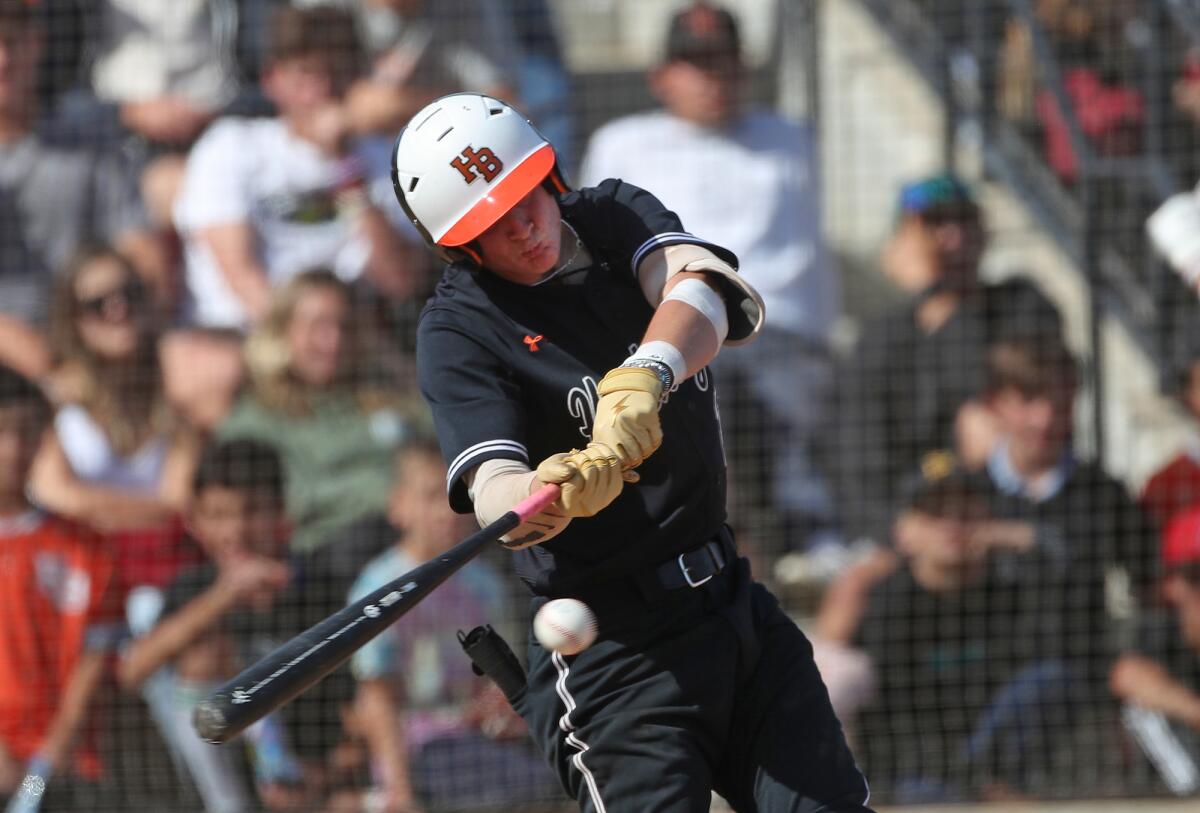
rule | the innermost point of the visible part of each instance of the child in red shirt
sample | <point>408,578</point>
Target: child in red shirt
<point>59,620</point>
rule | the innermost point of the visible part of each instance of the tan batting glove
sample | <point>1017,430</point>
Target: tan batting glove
<point>627,414</point>
<point>589,479</point>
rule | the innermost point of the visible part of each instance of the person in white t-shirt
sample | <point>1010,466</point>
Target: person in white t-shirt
<point>264,199</point>
<point>746,179</point>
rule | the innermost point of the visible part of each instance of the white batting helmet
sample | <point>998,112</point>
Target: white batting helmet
<point>462,162</point>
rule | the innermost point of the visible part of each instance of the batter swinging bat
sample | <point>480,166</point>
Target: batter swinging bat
<point>314,653</point>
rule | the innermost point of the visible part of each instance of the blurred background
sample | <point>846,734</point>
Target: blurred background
<point>965,453</point>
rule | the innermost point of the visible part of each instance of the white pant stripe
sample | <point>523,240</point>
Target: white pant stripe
<point>564,722</point>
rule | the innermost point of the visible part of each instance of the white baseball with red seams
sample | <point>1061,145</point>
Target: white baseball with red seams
<point>565,625</point>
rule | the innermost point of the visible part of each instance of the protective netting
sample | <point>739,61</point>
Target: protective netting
<point>963,452</point>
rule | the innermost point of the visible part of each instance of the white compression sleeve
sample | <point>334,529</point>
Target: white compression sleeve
<point>703,298</point>
<point>495,486</point>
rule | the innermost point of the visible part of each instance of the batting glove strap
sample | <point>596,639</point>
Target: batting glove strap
<point>657,366</point>
<point>627,413</point>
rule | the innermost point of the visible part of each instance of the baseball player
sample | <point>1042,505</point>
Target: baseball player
<point>567,343</point>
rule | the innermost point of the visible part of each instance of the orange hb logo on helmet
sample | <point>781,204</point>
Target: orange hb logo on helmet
<point>472,164</point>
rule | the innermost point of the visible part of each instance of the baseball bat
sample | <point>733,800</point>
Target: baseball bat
<point>289,670</point>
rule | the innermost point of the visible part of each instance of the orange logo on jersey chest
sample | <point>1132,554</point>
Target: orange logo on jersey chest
<point>532,341</point>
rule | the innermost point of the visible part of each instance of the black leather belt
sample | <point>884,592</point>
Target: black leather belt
<point>694,567</point>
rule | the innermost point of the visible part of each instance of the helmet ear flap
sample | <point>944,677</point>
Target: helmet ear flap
<point>468,254</point>
<point>555,182</point>
<point>450,255</point>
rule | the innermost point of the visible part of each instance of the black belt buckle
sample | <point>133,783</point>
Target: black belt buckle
<point>687,571</point>
<point>711,563</point>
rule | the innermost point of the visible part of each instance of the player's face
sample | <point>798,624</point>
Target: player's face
<point>111,311</point>
<point>230,521</point>
<point>304,83</point>
<point>523,245</point>
<point>958,245</point>
<point>21,426</point>
<point>943,541</point>
<point>1037,425</point>
<point>419,507</point>
<point>316,336</point>
<point>702,91</point>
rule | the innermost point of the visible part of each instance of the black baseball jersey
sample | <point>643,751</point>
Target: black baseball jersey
<point>510,371</point>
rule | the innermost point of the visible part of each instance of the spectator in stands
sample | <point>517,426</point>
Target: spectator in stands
<point>914,381</point>
<point>52,200</point>
<point>1033,475</point>
<point>1090,43</point>
<point>420,50</point>
<point>1175,487</point>
<point>264,199</point>
<point>222,615</point>
<point>1160,675</point>
<point>749,180</point>
<point>1094,548</point>
<point>310,396</point>
<point>120,456</point>
<point>59,620</point>
<point>966,650</point>
<point>419,699</point>
<point>159,72</point>
<point>158,75</point>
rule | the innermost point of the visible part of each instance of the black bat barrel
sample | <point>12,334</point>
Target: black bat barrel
<point>314,653</point>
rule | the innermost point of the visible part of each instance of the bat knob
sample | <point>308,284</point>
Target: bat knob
<point>208,719</point>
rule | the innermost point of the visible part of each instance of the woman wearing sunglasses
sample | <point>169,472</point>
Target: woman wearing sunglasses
<point>119,457</point>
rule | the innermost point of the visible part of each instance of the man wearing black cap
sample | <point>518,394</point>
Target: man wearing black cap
<point>750,178</point>
<point>973,693</point>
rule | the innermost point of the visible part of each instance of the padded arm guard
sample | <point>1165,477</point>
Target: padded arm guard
<point>744,306</point>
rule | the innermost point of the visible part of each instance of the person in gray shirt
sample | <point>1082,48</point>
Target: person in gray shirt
<point>52,201</point>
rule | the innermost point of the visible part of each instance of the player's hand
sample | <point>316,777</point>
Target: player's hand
<point>589,479</point>
<point>170,119</point>
<point>254,576</point>
<point>282,796</point>
<point>329,126</point>
<point>627,414</point>
<point>1004,534</point>
<point>490,712</point>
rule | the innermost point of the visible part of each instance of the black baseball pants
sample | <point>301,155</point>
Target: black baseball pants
<point>709,688</point>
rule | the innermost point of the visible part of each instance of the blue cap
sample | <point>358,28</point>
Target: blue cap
<point>936,191</point>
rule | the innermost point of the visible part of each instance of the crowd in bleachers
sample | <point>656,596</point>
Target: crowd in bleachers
<point>210,437</point>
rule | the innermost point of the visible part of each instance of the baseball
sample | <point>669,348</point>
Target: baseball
<point>565,625</point>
